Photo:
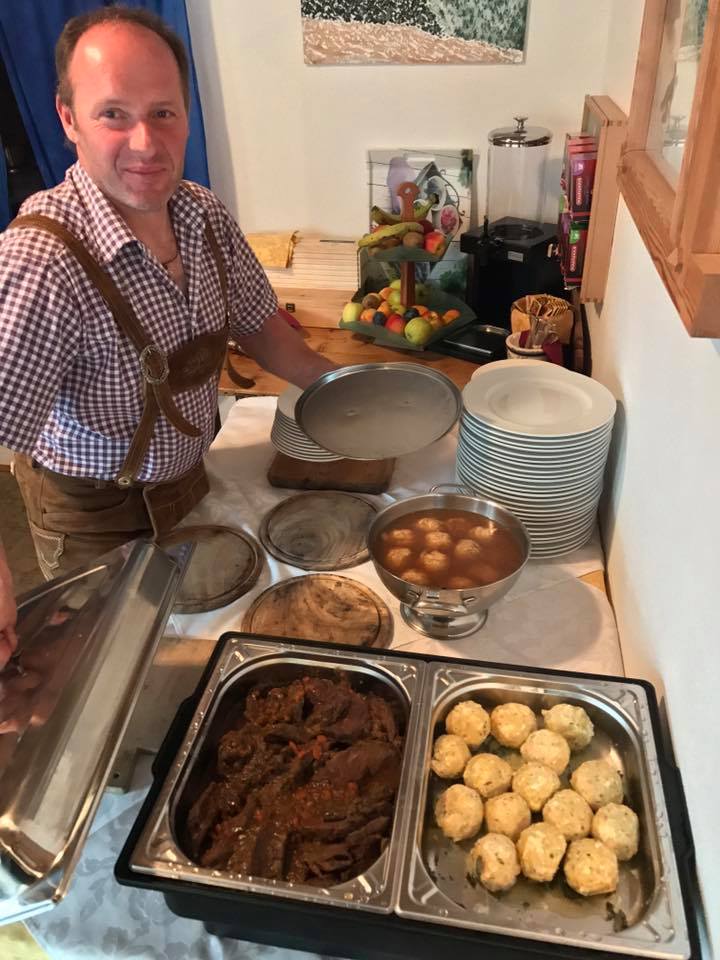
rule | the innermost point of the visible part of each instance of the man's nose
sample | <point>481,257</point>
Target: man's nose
<point>141,138</point>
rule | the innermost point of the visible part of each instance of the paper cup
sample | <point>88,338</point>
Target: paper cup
<point>516,352</point>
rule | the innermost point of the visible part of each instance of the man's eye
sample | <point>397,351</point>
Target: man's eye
<point>110,114</point>
<point>164,114</point>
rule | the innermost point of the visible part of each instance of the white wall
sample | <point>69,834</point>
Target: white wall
<point>287,142</point>
<point>662,523</point>
<point>287,146</point>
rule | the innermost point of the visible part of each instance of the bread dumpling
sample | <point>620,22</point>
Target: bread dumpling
<point>438,540</point>
<point>450,756</point>
<point>488,774</point>
<point>567,811</point>
<point>494,861</point>
<point>507,813</point>
<point>535,783</point>
<point>458,526</point>
<point>399,537</point>
<point>570,722</point>
<point>429,523</point>
<point>434,561</point>
<point>459,812</point>
<point>418,578</point>
<point>591,867</point>
<point>512,723</point>
<point>398,558</point>
<point>541,847</point>
<point>483,532</point>
<point>470,721</point>
<point>598,783</point>
<point>544,746</point>
<point>467,550</point>
<point>618,827</point>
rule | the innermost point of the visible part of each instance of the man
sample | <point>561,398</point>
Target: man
<point>117,292</point>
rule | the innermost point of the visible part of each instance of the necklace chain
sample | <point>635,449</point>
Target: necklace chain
<point>166,263</point>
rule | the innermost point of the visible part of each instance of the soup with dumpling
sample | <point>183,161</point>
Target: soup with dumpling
<point>448,549</point>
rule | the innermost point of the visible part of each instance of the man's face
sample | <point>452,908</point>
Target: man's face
<point>128,120</point>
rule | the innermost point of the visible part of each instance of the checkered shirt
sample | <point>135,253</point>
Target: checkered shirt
<point>70,384</point>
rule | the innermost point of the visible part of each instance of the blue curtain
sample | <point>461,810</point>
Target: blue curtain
<point>28,32</point>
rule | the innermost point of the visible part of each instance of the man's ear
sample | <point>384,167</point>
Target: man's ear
<point>66,119</point>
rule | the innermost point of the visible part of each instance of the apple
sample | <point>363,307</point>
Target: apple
<point>395,324</point>
<point>395,284</point>
<point>427,226</point>
<point>395,301</point>
<point>418,331</point>
<point>351,312</point>
<point>435,242</point>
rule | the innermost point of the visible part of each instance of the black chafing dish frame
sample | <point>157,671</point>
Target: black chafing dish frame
<point>333,931</point>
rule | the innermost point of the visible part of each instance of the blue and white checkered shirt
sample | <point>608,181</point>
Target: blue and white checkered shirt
<point>70,385</point>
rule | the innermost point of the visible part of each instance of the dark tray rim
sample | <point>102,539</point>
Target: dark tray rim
<point>324,928</point>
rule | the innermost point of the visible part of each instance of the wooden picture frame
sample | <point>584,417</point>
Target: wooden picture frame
<point>680,224</point>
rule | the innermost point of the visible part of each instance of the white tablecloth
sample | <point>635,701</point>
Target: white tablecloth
<point>549,618</point>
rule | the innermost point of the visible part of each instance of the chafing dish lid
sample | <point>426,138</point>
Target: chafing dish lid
<point>371,411</point>
<point>85,642</point>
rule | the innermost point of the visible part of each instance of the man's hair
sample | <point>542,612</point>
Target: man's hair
<point>77,26</point>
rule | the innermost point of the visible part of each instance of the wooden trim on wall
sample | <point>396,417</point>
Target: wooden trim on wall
<point>680,226</point>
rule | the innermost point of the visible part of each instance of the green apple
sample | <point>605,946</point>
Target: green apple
<point>351,312</point>
<point>418,331</point>
<point>395,301</point>
<point>396,284</point>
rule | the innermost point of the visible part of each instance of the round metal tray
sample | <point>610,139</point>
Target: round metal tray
<point>372,411</point>
<point>319,530</point>
<point>225,564</point>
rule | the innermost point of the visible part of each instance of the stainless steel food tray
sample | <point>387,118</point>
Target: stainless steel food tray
<point>648,900</point>
<point>159,852</point>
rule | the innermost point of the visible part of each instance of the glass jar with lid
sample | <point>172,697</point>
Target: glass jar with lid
<point>517,162</point>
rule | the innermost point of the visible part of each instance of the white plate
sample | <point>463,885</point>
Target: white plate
<point>489,434</point>
<point>558,490</point>
<point>287,400</point>
<point>538,399</point>
<point>532,471</point>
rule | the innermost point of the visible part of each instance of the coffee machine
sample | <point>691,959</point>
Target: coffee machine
<point>511,254</point>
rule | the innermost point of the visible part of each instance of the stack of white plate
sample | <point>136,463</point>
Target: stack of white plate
<point>535,437</point>
<point>288,438</point>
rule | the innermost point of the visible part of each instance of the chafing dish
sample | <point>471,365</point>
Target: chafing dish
<point>644,916</point>
<point>415,902</point>
<point>161,851</point>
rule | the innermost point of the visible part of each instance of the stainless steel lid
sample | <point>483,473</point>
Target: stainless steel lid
<point>519,135</point>
<point>85,641</point>
<point>372,411</point>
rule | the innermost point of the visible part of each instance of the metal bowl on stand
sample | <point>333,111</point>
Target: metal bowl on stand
<point>446,614</point>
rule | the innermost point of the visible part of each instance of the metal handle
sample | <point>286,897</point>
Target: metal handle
<point>435,608</point>
<point>453,486</point>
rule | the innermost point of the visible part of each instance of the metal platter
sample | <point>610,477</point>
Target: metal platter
<point>323,607</point>
<point>372,411</point>
<point>225,564</point>
<point>321,530</point>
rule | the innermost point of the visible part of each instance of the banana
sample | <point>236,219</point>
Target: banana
<point>379,215</point>
<point>390,230</point>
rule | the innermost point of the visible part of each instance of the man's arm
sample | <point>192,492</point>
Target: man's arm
<point>8,611</point>
<point>281,350</point>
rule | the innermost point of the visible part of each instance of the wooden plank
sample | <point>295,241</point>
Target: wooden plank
<point>651,37</point>
<point>604,116</point>
<point>356,476</point>
<point>343,347</point>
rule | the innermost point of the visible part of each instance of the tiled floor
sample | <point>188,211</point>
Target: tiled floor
<point>16,537</point>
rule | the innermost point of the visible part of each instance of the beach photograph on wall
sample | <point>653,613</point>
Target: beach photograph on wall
<point>413,31</point>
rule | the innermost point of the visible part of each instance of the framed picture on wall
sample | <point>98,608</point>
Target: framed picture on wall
<point>421,31</point>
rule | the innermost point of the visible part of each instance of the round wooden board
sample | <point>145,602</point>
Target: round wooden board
<point>225,564</point>
<point>323,607</point>
<point>319,531</point>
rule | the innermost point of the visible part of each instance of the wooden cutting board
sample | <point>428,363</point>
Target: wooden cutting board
<point>357,476</point>
<point>323,607</point>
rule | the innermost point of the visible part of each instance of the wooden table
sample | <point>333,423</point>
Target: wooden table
<point>344,348</point>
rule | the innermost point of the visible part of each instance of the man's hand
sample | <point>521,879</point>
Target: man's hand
<point>8,611</point>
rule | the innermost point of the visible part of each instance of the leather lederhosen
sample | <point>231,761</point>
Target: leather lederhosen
<point>191,365</point>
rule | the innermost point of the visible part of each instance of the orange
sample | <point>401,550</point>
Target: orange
<point>420,309</point>
<point>450,315</point>
<point>385,292</point>
<point>367,316</point>
<point>385,308</point>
